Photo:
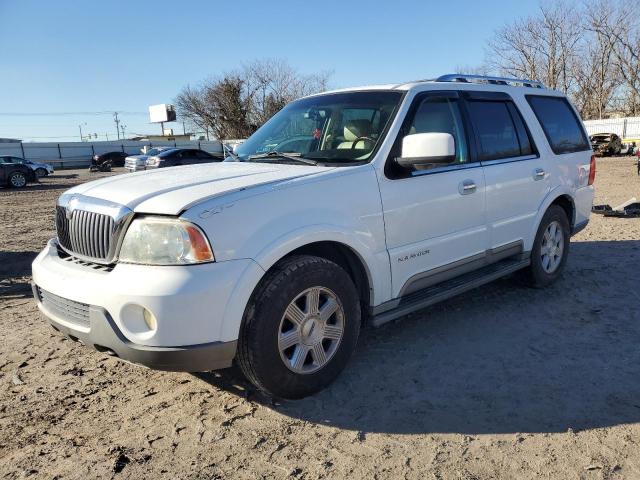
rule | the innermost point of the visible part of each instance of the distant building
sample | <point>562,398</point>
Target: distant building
<point>9,140</point>
<point>162,138</point>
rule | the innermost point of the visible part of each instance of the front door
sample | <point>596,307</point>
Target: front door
<point>435,214</point>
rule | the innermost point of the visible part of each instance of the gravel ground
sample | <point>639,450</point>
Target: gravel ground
<point>504,382</point>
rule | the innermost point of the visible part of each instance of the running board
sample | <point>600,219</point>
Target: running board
<point>424,298</point>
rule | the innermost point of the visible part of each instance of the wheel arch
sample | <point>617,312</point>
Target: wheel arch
<point>564,200</point>
<point>567,204</point>
<point>348,259</point>
<point>341,253</point>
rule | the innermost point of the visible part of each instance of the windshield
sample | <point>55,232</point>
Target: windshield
<point>338,127</point>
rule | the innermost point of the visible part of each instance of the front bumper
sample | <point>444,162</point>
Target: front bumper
<point>103,335</point>
<point>189,304</point>
<point>135,168</point>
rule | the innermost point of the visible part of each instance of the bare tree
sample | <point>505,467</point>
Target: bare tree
<point>273,83</point>
<point>541,47</point>
<point>618,23</point>
<point>595,74</point>
<point>237,103</point>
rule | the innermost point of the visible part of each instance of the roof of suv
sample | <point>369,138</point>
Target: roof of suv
<point>478,81</point>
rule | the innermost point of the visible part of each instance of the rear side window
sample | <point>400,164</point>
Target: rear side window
<point>499,129</point>
<point>560,124</point>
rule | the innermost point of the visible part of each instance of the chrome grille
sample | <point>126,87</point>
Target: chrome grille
<point>87,234</point>
<point>69,310</point>
<point>90,228</point>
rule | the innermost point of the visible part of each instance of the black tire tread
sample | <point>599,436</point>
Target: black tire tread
<point>270,284</point>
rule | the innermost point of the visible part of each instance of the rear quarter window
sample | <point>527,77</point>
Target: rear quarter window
<point>561,125</point>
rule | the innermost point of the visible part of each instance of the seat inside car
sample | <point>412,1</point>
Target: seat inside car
<point>354,129</point>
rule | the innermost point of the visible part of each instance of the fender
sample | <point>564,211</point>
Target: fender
<point>546,202</point>
<point>376,266</point>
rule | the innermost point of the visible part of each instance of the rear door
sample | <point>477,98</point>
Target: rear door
<point>516,177</point>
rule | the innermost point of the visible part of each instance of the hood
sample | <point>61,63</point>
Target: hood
<point>137,157</point>
<point>171,190</point>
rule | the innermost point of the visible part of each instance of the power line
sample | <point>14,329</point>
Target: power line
<point>56,114</point>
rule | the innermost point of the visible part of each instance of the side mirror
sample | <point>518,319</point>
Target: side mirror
<point>427,148</point>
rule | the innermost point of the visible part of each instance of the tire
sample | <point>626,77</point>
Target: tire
<point>546,267</point>
<point>41,172</point>
<point>17,180</point>
<point>287,352</point>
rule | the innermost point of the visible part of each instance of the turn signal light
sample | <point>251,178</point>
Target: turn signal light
<point>199,244</point>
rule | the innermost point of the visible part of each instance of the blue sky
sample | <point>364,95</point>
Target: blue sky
<point>90,56</point>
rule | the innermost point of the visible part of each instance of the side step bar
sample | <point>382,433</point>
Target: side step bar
<point>429,296</point>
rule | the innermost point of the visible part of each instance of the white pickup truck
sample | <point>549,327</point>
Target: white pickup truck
<point>346,209</point>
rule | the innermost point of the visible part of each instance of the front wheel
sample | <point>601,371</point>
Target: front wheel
<point>41,172</point>
<point>17,180</point>
<point>550,248</point>
<point>300,328</point>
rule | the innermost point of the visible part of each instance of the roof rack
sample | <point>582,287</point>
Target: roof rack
<point>516,82</point>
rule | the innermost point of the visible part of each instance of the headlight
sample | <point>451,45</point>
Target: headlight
<point>164,241</point>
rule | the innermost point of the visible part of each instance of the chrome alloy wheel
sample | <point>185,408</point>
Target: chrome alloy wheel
<point>311,330</point>
<point>552,247</point>
<point>18,180</point>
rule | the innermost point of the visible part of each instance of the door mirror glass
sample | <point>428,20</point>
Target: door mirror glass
<point>430,148</point>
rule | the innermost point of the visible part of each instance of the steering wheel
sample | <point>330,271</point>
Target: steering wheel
<point>353,145</point>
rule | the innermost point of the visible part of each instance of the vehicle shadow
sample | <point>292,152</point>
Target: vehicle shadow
<point>501,359</point>
<point>68,176</point>
<point>15,274</point>
<point>31,187</point>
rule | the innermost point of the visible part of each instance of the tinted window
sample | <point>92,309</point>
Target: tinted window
<point>560,124</point>
<point>440,115</point>
<point>496,130</point>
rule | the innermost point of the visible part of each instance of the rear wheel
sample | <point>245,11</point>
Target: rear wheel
<point>300,328</point>
<point>550,248</point>
<point>17,180</point>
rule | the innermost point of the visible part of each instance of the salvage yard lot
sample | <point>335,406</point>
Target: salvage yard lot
<point>502,382</point>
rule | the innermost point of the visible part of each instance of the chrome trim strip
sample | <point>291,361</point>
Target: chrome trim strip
<point>499,161</point>
<point>448,168</point>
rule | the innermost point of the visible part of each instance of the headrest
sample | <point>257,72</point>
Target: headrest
<point>356,128</point>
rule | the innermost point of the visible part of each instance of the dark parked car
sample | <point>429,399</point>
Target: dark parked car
<point>606,144</point>
<point>41,169</point>
<point>181,156</point>
<point>15,175</point>
<point>116,158</point>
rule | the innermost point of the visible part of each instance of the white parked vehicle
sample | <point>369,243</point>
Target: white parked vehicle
<point>134,163</point>
<point>348,208</point>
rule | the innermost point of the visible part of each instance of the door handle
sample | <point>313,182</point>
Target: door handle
<point>467,187</point>
<point>539,174</point>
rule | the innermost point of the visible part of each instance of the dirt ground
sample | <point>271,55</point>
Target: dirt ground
<point>504,382</point>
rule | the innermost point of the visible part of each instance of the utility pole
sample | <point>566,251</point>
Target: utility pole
<point>80,127</point>
<point>115,119</point>
<point>123,126</point>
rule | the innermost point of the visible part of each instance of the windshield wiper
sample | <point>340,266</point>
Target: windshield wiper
<point>297,157</point>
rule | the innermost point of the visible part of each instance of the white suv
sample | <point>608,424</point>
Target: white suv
<point>346,209</point>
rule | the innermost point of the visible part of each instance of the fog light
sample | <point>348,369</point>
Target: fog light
<point>149,319</point>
